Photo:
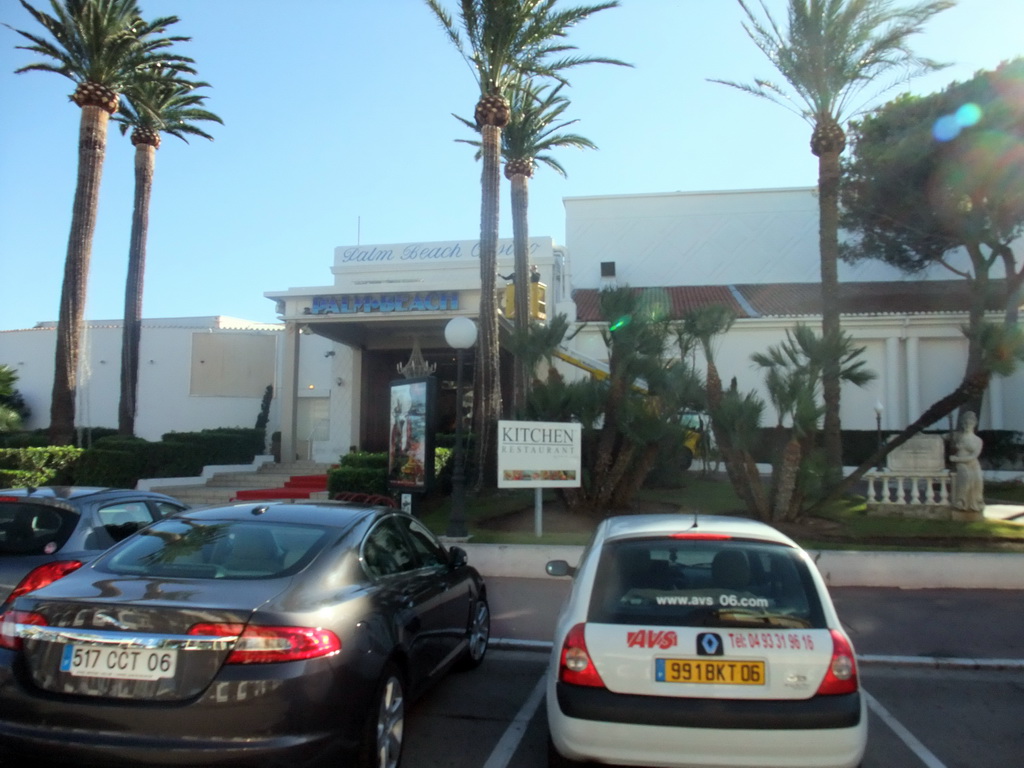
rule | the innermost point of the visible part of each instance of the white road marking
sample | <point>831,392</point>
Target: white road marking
<point>509,741</point>
<point>915,746</point>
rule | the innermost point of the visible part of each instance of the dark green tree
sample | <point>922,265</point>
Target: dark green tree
<point>933,176</point>
<point>103,46</point>
<point>831,54</point>
<point>152,107</point>
<point>628,416</point>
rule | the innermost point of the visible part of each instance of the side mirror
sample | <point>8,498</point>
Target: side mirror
<point>559,568</point>
<point>457,557</point>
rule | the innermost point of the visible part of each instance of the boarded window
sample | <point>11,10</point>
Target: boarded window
<point>232,364</point>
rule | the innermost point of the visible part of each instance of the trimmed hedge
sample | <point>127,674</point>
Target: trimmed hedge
<point>54,465</point>
<point>359,472</point>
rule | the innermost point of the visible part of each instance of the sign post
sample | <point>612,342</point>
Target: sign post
<point>539,455</point>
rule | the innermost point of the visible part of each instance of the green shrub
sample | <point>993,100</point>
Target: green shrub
<point>350,479</point>
<point>186,453</point>
<point>52,465</point>
<point>110,468</point>
<point>365,460</point>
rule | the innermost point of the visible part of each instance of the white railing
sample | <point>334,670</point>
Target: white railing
<point>919,488</point>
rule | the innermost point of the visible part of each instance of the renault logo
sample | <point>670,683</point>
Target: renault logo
<point>709,644</point>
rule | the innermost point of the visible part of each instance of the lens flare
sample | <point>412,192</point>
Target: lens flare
<point>946,128</point>
<point>968,115</point>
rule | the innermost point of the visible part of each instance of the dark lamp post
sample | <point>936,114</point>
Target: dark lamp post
<point>460,333</point>
<point>878,427</point>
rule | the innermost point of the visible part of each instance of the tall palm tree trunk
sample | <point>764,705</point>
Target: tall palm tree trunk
<point>828,243</point>
<point>145,163</point>
<point>487,400</point>
<point>521,281</point>
<point>92,142</point>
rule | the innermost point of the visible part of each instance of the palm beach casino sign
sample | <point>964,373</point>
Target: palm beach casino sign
<point>384,303</point>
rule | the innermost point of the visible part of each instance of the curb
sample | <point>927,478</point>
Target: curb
<point>839,568</point>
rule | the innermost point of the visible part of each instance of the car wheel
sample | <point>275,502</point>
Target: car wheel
<point>385,728</point>
<point>556,760</point>
<point>477,635</point>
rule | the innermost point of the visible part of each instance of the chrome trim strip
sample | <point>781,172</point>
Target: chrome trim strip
<point>66,635</point>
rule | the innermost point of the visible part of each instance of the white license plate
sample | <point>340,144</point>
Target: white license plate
<point>118,663</point>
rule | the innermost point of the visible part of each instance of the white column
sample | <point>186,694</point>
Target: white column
<point>289,391</point>
<point>913,378</point>
<point>994,398</point>
<point>893,414</point>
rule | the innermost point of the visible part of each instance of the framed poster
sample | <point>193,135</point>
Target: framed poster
<point>411,441</point>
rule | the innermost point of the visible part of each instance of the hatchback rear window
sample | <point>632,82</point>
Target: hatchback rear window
<point>34,529</point>
<point>704,582</point>
<point>183,548</point>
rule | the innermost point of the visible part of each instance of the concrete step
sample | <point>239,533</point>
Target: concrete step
<point>222,487</point>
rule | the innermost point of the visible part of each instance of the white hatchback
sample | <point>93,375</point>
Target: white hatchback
<point>693,642</point>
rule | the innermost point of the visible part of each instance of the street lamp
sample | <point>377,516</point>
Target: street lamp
<point>878,427</point>
<point>460,333</point>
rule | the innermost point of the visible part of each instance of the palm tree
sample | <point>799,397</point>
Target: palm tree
<point>829,52</point>
<point>103,46</point>
<point>505,40</point>
<point>532,132</point>
<point>10,419</point>
<point>170,106</point>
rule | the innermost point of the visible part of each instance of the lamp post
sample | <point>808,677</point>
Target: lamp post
<point>878,428</point>
<point>460,333</point>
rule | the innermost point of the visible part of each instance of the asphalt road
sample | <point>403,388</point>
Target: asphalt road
<point>943,671</point>
<point>918,716</point>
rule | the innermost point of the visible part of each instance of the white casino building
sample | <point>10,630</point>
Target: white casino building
<point>339,344</point>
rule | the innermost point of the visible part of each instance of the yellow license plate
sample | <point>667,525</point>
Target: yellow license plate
<point>709,671</point>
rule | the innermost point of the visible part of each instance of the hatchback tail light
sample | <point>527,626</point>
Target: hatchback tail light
<point>841,676</point>
<point>44,575</point>
<point>9,622</point>
<point>267,645</point>
<point>576,666</point>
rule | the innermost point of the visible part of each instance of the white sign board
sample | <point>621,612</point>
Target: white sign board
<point>539,454</point>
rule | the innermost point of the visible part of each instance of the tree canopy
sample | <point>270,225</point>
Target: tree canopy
<point>930,175</point>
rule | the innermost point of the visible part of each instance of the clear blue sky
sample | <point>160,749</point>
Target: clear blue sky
<point>338,130</point>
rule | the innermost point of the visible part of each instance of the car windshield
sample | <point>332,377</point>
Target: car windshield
<point>704,582</point>
<point>185,548</point>
<point>34,529</point>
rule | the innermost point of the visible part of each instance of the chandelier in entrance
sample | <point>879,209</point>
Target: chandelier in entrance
<point>417,367</point>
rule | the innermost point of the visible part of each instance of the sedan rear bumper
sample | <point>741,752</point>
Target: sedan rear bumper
<point>623,740</point>
<point>818,712</point>
<point>86,748</point>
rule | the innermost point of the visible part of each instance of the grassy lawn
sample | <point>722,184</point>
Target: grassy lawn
<point>507,517</point>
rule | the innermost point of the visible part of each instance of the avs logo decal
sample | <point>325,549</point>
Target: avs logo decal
<point>709,644</point>
<point>652,638</point>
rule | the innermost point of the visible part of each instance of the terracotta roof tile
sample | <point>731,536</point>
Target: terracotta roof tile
<point>800,299</point>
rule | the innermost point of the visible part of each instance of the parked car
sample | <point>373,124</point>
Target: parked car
<point>268,633</point>
<point>700,641</point>
<point>45,533</point>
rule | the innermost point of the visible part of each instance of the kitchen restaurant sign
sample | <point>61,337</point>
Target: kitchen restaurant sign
<point>539,454</point>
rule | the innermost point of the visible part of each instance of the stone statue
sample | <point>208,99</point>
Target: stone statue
<point>969,486</point>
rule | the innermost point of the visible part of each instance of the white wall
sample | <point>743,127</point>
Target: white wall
<point>705,238</point>
<point>165,354</point>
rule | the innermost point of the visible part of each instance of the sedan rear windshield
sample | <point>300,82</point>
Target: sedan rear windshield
<point>183,548</point>
<point>34,529</point>
<point>704,582</point>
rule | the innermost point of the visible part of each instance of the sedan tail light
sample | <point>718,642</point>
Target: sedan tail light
<point>44,575</point>
<point>267,645</point>
<point>9,622</point>
<point>576,666</point>
<point>841,676</point>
